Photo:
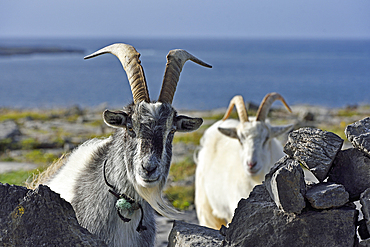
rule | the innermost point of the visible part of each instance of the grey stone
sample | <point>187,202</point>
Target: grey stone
<point>365,203</point>
<point>351,168</point>
<point>8,129</point>
<point>362,229</point>
<point>286,185</point>
<point>327,195</point>
<point>306,116</point>
<point>258,222</point>
<point>314,148</point>
<point>39,218</point>
<point>358,134</point>
<point>187,235</point>
<point>364,243</point>
<point>365,207</point>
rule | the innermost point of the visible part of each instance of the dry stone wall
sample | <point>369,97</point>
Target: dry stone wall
<point>39,218</point>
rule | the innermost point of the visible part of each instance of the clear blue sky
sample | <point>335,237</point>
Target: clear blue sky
<point>186,18</point>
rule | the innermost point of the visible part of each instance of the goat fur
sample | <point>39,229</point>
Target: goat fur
<point>130,154</point>
<point>223,176</point>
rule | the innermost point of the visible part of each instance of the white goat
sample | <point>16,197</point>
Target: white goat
<point>113,184</point>
<point>234,156</point>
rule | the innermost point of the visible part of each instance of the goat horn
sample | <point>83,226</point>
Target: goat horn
<point>175,61</point>
<point>130,61</point>
<point>240,108</point>
<point>266,105</point>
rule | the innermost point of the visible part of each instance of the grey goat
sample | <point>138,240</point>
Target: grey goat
<point>113,184</point>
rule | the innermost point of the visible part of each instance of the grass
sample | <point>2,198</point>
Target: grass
<point>338,130</point>
<point>181,170</point>
<point>17,177</point>
<point>181,197</point>
<point>190,137</point>
<point>13,114</point>
<point>37,156</point>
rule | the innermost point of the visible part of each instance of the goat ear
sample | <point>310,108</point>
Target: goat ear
<point>115,119</point>
<point>186,124</point>
<point>279,130</point>
<point>230,132</point>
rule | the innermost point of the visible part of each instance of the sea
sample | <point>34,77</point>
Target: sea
<point>330,73</point>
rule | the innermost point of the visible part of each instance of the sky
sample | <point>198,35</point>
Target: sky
<point>186,18</point>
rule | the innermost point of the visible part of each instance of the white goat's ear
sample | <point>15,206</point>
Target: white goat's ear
<point>230,132</point>
<point>279,130</point>
<point>115,119</point>
<point>186,124</point>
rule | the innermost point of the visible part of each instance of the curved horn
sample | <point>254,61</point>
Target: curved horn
<point>175,61</point>
<point>240,108</point>
<point>266,105</point>
<point>130,61</point>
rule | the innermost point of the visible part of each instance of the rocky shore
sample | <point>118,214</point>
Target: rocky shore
<point>55,131</point>
<point>11,51</point>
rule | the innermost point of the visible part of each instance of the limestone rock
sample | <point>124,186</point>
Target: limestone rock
<point>314,148</point>
<point>187,235</point>
<point>351,168</point>
<point>364,243</point>
<point>8,129</point>
<point>365,203</point>
<point>258,222</point>
<point>362,229</point>
<point>39,218</point>
<point>286,185</point>
<point>327,195</point>
<point>358,134</point>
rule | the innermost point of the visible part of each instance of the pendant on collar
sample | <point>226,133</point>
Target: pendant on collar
<point>128,206</point>
<point>125,203</point>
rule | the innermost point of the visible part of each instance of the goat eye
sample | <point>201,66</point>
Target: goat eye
<point>172,131</point>
<point>130,130</point>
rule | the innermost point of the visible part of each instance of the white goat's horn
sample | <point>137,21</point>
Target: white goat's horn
<point>130,61</point>
<point>175,61</point>
<point>240,108</point>
<point>266,105</point>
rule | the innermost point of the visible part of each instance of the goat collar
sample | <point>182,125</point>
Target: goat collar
<point>124,202</point>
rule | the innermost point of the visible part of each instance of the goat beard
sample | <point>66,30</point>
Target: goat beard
<point>153,196</point>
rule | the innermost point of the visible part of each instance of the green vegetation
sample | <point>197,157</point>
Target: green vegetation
<point>4,144</point>
<point>17,177</point>
<point>11,114</point>
<point>181,170</point>
<point>37,156</point>
<point>181,197</point>
<point>29,143</point>
<point>336,129</point>
<point>191,137</point>
<point>347,112</point>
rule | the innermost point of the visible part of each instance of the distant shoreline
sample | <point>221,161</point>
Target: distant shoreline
<point>11,51</point>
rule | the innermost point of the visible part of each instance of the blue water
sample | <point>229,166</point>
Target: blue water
<point>333,73</point>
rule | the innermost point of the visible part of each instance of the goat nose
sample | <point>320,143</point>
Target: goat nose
<point>252,164</point>
<point>150,169</point>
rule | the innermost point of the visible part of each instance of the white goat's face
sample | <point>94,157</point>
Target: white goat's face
<point>148,131</point>
<point>255,139</point>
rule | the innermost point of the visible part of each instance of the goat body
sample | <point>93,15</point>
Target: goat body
<point>233,157</point>
<point>133,163</point>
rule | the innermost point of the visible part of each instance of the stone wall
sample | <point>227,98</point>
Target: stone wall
<point>39,218</point>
